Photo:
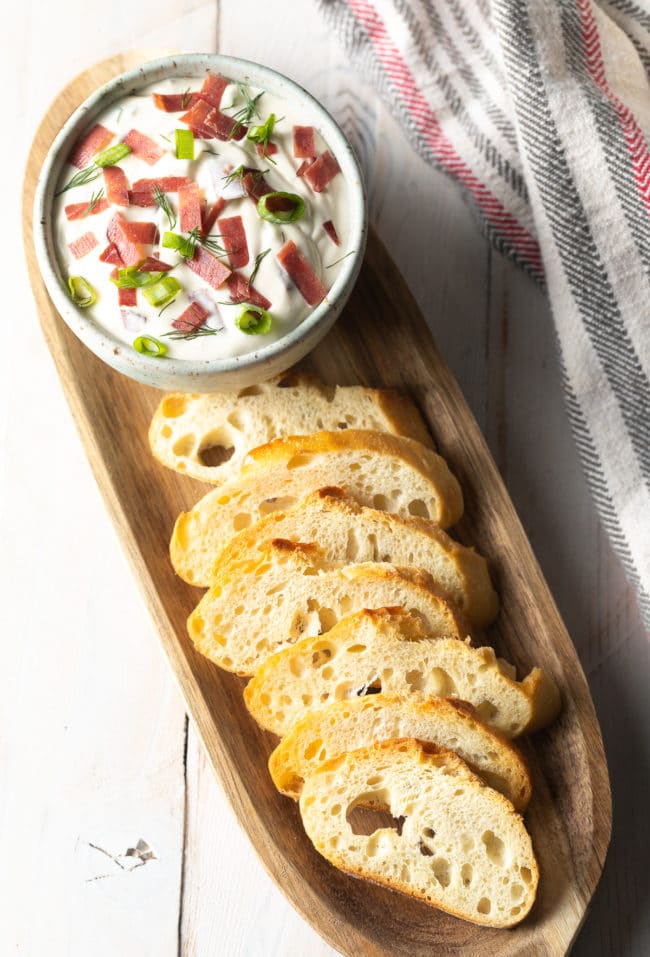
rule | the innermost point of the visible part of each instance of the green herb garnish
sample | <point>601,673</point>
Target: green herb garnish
<point>341,258</point>
<point>184,245</point>
<point>256,266</point>
<point>160,312</point>
<point>240,171</point>
<point>184,144</point>
<point>254,321</point>
<point>130,277</point>
<point>234,174</point>
<point>163,292</point>
<point>262,134</point>
<point>161,200</point>
<point>148,346</point>
<point>94,199</point>
<point>84,176</point>
<point>296,210</point>
<point>246,113</point>
<point>107,157</point>
<point>112,155</point>
<point>81,292</point>
<point>192,333</point>
<point>185,98</point>
<point>211,242</point>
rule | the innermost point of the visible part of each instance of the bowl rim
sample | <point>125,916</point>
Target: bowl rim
<point>99,340</point>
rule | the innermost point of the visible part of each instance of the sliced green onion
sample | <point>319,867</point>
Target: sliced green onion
<point>184,144</point>
<point>130,277</point>
<point>263,132</point>
<point>281,215</point>
<point>148,346</point>
<point>184,245</point>
<point>81,292</point>
<point>254,321</point>
<point>163,291</point>
<point>112,155</point>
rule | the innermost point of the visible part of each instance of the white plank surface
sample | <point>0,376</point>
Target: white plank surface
<point>93,742</point>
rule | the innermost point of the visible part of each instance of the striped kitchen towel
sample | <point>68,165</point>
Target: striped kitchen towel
<point>541,110</point>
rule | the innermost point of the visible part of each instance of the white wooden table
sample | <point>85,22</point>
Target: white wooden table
<point>95,750</point>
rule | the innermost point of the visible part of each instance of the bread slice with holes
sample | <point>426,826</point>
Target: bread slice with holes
<point>348,725</point>
<point>207,436</point>
<point>286,591</point>
<point>349,532</point>
<point>389,650</point>
<point>457,843</point>
<point>385,471</point>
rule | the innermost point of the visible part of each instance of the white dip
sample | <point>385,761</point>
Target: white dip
<point>219,335</point>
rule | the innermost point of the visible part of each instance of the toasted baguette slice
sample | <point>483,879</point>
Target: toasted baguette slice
<point>207,436</point>
<point>385,471</point>
<point>348,725</point>
<point>349,532</point>
<point>286,591</point>
<point>461,847</point>
<point>389,650</point>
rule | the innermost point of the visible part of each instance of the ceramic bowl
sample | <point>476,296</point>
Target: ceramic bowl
<point>210,374</point>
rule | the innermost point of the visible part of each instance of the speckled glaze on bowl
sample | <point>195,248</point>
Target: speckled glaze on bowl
<point>210,374</point>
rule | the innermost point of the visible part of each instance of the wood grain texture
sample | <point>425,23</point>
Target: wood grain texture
<point>381,340</point>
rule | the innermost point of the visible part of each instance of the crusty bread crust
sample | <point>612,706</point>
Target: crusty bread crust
<point>349,532</point>
<point>461,847</point>
<point>393,652</point>
<point>384,471</point>
<point>325,733</point>
<point>286,591</point>
<point>187,430</point>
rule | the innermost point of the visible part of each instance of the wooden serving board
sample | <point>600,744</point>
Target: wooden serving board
<point>381,340</point>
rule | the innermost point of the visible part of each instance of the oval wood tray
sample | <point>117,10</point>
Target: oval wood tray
<point>381,339</point>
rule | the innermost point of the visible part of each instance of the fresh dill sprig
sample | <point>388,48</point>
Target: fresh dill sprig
<point>234,174</point>
<point>242,170</point>
<point>256,266</point>
<point>249,109</point>
<point>246,113</point>
<point>212,243</point>
<point>185,98</point>
<point>188,247</point>
<point>194,237</point>
<point>84,176</point>
<point>163,137</point>
<point>161,200</point>
<point>192,333</point>
<point>94,199</point>
<point>340,260</point>
<point>166,306</point>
